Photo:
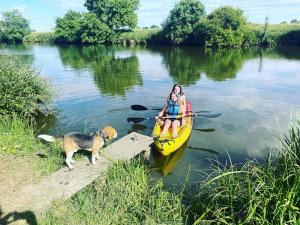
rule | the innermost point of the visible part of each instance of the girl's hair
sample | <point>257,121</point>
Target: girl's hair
<point>173,92</point>
<point>177,85</point>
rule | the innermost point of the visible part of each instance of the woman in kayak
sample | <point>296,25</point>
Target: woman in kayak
<point>177,89</point>
<point>173,108</point>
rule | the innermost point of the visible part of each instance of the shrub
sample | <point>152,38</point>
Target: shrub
<point>224,27</point>
<point>22,90</point>
<point>182,20</point>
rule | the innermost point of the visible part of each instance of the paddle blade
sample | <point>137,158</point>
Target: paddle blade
<point>208,114</point>
<point>205,129</point>
<point>138,107</point>
<point>135,119</point>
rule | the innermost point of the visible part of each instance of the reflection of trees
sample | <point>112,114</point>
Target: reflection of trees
<point>24,52</point>
<point>115,76</point>
<point>186,64</point>
<point>290,52</point>
<point>223,64</point>
<point>112,75</point>
<point>183,64</point>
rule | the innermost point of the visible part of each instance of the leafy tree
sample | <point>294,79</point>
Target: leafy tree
<point>294,21</point>
<point>154,26</point>
<point>224,27</point>
<point>93,30</point>
<point>14,26</point>
<point>182,20</point>
<point>115,13</point>
<point>68,27</point>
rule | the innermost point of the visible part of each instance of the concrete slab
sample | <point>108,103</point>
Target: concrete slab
<point>65,183</point>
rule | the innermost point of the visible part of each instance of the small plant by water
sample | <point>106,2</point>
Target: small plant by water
<point>23,90</point>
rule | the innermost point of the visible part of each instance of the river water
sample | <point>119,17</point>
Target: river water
<point>257,91</point>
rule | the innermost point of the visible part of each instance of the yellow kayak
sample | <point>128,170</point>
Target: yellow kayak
<point>168,145</point>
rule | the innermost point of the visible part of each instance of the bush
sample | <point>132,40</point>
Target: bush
<point>22,90</point>
<point>182,21</point>
<point>224,27</point>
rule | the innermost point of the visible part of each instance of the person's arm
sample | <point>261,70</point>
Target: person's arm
<point>161,114</point>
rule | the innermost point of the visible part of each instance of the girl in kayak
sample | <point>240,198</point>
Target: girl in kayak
<point>173,108</point>
<point>177,89</point>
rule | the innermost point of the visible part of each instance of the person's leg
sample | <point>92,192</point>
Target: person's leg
<point>175,125</point>
<point>166,127</point>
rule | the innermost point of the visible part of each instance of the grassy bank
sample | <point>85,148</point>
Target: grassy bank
<point>247,194</point>
<point>40,37</point>
<point>253,193</point>
<point>18,139</point>
<point>23,90</point>
<point>129,196</point>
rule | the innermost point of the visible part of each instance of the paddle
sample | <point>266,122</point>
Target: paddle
<point>200,113</point>
<point>143,108</point>
<point>204,129</point>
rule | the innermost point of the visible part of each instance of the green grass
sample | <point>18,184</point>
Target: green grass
<point>18,139</point>
<point>138,36</point>
<point>40,37</point>
<point>254,193</point>
<point>128,196</point>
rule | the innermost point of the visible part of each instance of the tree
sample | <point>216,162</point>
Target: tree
<point>14,26</point>
<point>68,28</point>
<point>93,30</point>
<point>294,21</point>
<point>116,14</point>
<point>154,26</point>
<point>182,20</point>
<point>224,27</point>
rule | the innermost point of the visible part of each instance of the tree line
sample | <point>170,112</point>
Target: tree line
<point>115,21</point>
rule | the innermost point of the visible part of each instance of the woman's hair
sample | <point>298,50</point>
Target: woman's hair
<point>177,85</point>
<point>173,92</point>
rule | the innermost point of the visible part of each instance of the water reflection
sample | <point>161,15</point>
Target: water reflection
<point>186,65</point>
<point>112,74</point>
<point>165,164</point>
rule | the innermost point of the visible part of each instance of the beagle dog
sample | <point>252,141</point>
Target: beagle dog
<point>74,141</point>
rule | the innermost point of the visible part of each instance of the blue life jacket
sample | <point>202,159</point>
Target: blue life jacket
<point>173,108</point>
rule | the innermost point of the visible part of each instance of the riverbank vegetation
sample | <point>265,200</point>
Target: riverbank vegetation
<point>23,90</point>
<point>251,193</point>
<point>114,22</point>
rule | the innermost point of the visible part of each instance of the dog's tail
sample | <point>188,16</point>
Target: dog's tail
<point>47,137</point>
